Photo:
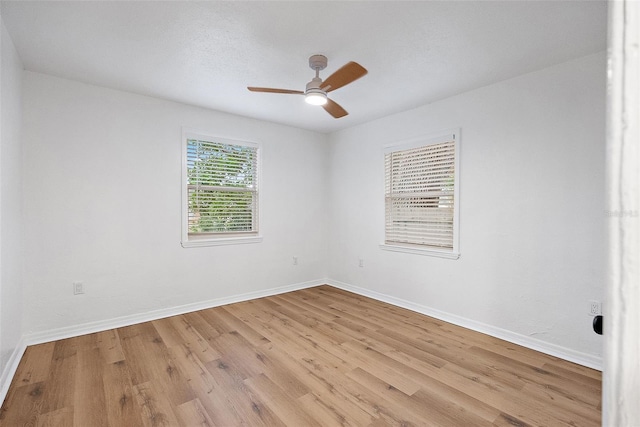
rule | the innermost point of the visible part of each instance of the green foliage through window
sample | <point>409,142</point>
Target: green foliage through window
<point>222,187</point>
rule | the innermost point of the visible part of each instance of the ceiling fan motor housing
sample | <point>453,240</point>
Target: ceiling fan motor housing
<point>314,84</point>
<point>314,95</point>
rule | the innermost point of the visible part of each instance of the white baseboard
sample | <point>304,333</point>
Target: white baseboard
<point>119,322</point>
<point>11,367</point>
<point>580,358</point>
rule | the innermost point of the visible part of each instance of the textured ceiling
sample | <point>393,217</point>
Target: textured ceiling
<point>207,53</point>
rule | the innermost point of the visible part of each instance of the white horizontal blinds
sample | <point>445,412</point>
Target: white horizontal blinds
<point>419,196</point>
<point>222,188</point>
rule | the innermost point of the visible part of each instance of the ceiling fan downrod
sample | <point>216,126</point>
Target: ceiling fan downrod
<point>313,94</point>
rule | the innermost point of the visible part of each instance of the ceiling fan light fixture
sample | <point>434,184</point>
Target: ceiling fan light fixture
<point>315,97</point>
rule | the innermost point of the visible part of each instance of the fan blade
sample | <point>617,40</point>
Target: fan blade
<point>345,75</point>
<point>271,90</point>
<point>334,109</point>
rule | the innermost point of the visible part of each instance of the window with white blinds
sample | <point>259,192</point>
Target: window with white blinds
<point>421,195</point>
<point>220,194</point>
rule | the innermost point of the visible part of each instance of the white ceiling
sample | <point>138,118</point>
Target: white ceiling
<point>207,53</point>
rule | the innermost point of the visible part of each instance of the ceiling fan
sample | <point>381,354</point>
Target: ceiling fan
<point>317,89</point>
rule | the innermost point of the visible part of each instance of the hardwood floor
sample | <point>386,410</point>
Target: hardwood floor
<point>315,357</point>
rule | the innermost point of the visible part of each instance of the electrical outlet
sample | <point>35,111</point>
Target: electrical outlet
<point>595,308</point>
<point>360,262</point>
<point>78,288</point>
<point>295,260</point>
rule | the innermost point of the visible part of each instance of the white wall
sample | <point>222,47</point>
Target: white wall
<point>532,208</point>
<point>102,205</point>
<point>10,204</point>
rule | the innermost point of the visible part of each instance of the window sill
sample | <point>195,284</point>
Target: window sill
<point>221,241</point>
<point>420,251</point>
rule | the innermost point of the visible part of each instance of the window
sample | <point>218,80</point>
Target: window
<point>421,196</point>
<point>220,191</point>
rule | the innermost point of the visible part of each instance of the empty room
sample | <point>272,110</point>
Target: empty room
<point>308,213</point>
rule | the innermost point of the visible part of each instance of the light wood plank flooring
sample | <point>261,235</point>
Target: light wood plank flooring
<point>315,357</point>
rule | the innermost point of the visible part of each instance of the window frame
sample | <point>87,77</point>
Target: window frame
<point>423,141</point>
<point>216,239</point>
